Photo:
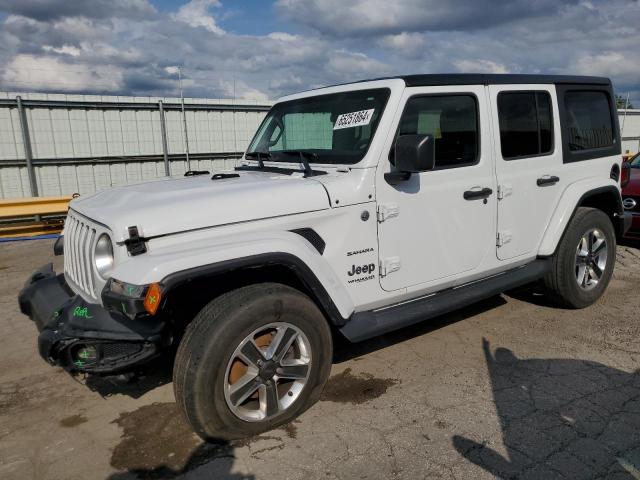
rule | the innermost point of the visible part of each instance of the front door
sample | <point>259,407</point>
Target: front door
<point>528,165</point>
<point>439,224</point>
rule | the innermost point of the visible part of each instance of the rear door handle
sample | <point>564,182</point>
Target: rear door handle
<point>547,180</point>
<point>475,194</point>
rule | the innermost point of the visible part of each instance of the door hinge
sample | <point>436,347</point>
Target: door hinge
<point>504,191</point>
<point>389,265</point>
<point>503,238</point>
<point>387,210</point>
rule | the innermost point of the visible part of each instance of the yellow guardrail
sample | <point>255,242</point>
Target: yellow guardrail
<point>22,217</point>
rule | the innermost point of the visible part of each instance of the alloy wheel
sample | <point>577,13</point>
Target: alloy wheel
<point>591,259</point>
<point>267,372</point>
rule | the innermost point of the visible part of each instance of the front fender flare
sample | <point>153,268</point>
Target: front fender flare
<point>172,265</point>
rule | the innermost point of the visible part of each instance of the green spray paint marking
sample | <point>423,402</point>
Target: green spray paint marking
<point>84,354</point>
<point>152,299</point>
<point>124,308</point>
<point>131,290</point>
<point>81,312</point>
<point>79,363</point>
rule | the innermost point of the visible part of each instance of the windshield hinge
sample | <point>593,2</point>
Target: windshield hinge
<point>387,210</point>
<point>135,243</point>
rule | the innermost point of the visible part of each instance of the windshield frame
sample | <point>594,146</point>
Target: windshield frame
<point>285,155</point>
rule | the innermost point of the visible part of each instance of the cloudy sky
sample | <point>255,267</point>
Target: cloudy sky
<point>263,49</point>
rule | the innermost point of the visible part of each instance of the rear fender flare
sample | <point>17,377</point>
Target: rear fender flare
<point>573,196</point>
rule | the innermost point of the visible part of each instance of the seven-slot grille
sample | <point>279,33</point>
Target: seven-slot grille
<point>79,239</point>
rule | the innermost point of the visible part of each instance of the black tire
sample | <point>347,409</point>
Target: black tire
<point>561,281</point>
<point>211,339</point>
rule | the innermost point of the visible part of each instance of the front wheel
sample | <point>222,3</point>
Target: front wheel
<point>584,261</point>
<point>252,360</point>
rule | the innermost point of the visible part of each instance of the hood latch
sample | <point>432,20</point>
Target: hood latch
<point>135,243</point>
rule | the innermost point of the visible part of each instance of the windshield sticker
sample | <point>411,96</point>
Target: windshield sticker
<point>354,119</point>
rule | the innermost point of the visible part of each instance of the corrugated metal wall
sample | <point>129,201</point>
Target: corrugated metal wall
<point>630,130</point>
<point>84,143</point>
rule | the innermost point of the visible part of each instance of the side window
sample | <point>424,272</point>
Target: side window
<point>526,124</point>
<point>588,120</point>
<point>453,122</point>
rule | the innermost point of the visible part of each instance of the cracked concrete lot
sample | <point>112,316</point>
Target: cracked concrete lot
<point>509,388</point>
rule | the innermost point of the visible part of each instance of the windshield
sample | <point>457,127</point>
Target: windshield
<point>332,129</point>
<point>635,161</point>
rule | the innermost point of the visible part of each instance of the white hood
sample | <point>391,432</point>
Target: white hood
<point>176,205</point>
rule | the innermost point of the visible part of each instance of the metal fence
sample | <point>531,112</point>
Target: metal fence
<point>630,130</point>
<point>56,144</point>
<point>64,144</point>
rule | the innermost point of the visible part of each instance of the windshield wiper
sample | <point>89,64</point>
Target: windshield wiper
<point>303,155</point>
<point>304,159</point>
<point>259,156</point>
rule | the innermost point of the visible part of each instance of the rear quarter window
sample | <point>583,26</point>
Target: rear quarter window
<point>589,122</point>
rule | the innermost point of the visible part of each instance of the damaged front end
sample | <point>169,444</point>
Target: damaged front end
<point>85,337</point>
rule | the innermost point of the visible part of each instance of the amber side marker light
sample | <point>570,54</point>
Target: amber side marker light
<point>152,298</point>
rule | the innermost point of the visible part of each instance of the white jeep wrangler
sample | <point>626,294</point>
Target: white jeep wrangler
<point>358,209</point>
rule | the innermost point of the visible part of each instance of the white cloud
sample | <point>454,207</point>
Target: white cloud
<point>197,13</point>
<point>63,50</point>
<point>335,42</point>
<point>283,36</point>
<point>241,91</point>
<point>31,72</point>
<point>406,44</point>
<point>479,66</point>
<point>357,66</point>
<point>617,64</point>
<point>375,17</point>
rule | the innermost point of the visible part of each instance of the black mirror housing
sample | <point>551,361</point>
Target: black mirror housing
<point>415,153</point>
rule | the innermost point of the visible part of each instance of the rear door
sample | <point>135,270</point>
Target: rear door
<point>528,165</point>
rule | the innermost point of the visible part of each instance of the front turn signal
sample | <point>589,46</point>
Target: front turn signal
<point>152,298</point>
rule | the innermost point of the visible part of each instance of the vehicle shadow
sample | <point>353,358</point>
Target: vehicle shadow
<point>157,442</point>
<point>204,455</point>
<point>345,351</point>
<point>534,293</point>
<point>630,242</point>
<point>560,418</point>
<point>155,374</point>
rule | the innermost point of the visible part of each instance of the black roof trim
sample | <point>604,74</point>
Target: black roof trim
<point>444,79</point>
<point>491,79</point>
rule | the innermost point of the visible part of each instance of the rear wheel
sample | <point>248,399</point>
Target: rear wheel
<point>251,360</point>
<point>583,264</point>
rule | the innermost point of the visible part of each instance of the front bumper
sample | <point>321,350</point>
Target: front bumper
<point>84,337</point>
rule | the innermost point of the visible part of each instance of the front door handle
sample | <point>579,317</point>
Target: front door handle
<point>476,194</point>
<point>547,180</point>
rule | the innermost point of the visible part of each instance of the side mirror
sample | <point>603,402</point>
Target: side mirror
<point>415,153</point>
<point>625,174</point>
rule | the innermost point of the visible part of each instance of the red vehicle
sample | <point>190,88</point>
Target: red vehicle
<point>631,196</point>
